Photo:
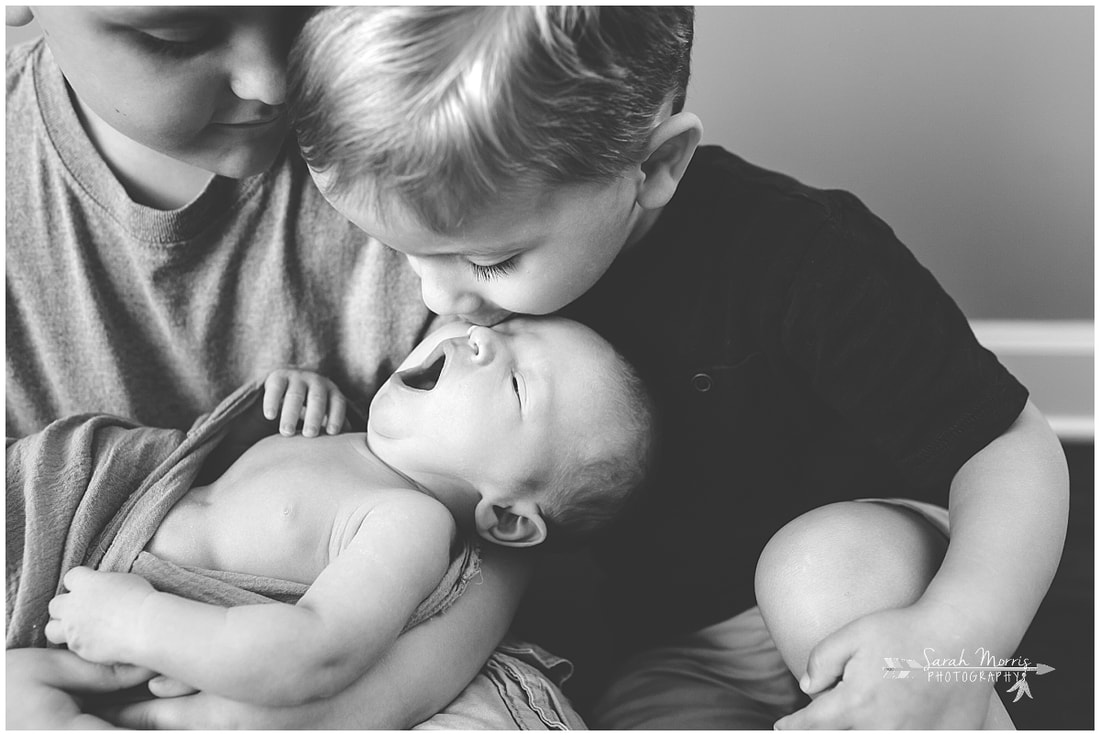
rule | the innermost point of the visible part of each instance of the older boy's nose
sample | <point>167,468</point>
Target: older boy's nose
<point>259,69</point>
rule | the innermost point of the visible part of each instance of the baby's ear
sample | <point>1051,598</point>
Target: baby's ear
<point>514,524</point>
<point>671,147</point>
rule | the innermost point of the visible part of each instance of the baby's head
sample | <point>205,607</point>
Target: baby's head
<point>531,426</point>
<point>510,152</point>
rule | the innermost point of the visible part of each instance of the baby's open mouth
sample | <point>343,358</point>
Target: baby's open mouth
<point>425,377</point>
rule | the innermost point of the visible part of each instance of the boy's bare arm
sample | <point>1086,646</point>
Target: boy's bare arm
<point>1009,508</point>
<point>399,691</point>
<point>273,654</point>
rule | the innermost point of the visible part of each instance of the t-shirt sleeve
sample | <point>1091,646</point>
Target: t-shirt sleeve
<point>883,345</point>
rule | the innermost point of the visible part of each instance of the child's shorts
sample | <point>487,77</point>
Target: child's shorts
<point>726,676</point>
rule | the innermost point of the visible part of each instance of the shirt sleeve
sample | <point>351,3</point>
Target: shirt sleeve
<point>884,346</point>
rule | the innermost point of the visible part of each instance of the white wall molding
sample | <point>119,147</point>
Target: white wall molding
<point>1055,360</point>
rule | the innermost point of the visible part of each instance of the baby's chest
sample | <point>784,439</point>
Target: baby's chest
<point>286,524</point>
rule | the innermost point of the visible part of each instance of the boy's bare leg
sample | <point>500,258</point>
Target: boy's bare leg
<point>840,562</point>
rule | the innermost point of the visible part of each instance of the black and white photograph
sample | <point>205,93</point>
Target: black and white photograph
<point>520,367</point>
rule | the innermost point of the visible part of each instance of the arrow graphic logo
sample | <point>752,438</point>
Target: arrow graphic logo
<point>899,669</point>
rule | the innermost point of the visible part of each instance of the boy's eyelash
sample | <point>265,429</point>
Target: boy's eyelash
<point>172,49</point>
<point>488,273</point>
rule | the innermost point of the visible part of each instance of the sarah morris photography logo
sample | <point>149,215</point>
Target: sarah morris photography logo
<point>983,666</point>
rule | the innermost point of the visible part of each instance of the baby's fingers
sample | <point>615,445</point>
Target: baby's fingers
<point>337,411</point>
<point>316,404</point>
<point>295,396</point>
<point>274,388</point>
<point>55,632</point>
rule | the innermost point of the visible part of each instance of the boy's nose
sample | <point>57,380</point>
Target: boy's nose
<point>443,294</point>
<point>259,69</point>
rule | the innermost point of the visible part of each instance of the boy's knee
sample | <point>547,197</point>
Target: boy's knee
<point>840,561</point>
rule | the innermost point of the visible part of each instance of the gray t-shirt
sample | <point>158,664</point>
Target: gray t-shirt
<point>157,315</point>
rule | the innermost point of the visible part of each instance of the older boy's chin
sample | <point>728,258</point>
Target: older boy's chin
<point>246,167</point>
<point>240,161</point>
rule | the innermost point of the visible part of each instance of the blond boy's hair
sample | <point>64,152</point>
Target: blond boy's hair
<point>446,109</point>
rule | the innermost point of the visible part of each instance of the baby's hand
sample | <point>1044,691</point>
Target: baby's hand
<point>99,617</point>
<point>845,672</point>
<point>290,388</point>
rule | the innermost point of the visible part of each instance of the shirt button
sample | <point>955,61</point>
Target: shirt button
<point>701,382</point>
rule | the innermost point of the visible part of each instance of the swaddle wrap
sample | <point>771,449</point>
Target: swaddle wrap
<point>92,490</point>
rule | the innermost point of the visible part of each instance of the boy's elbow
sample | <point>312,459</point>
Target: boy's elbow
<point>1046,448</point>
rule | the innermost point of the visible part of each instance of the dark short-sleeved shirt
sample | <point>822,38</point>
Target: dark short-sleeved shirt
<point>799,355</point>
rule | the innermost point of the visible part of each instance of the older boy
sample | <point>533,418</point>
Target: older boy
<point>161,251</point>
<point>532,428</point>
<point>536,159</point>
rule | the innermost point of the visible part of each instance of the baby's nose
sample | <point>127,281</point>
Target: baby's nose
<point>483,343</point>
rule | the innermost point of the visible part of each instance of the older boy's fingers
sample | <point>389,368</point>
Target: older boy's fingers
<point>292,408</point>
<point>186,712</point>
<point>63,669</point>
<point>316,402</point>
<point>88,722</point>
<point>274,388</point>
<point>337,411</point>
<point>829,711</point>
<point>163,686</point>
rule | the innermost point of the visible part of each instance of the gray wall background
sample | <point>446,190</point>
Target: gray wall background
<point>969,130</point>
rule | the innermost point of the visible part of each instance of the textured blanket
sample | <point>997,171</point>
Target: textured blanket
<point>92,489</point>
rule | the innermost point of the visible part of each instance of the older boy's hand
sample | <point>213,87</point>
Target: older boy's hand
<point>291,388</point>
<point>45,687</point>
<point>99,618</point>
<point>845,673</point>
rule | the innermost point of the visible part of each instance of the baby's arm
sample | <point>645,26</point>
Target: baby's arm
<point>273,654</point>
<point>397,693</point>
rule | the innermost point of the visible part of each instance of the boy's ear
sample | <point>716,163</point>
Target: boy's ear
<point>671,147</point>
<point>18,15</point>
<point>517,524</point>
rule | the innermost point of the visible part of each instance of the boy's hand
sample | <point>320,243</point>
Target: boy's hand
<point>163,686</point>
<point>99,617</point>
<point>45,688</point>
<point>851,660</point>
<point>290,388</point>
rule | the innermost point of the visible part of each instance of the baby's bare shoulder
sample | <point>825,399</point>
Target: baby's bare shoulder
<point>406,507</point>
